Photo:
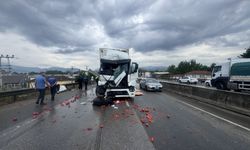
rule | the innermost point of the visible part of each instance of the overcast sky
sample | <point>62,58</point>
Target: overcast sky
<point>44,33</point>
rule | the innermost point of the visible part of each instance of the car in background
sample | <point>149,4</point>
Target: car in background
<point>150,84</point>
<point>208,83</point>
<point>188,80</point>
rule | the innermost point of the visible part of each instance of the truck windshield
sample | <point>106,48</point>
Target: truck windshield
<point>216,69</point>
<point>113,69</point>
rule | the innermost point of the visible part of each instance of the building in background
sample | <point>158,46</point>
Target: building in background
<point>161,75</point>
<point>10,82</point>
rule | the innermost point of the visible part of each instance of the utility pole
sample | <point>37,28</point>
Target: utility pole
<point>72,73</point>
<point>72,70</point>
<point>8,57</point>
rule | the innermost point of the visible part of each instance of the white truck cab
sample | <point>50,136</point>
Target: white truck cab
<point>221,70</point>
<point>117,74</point>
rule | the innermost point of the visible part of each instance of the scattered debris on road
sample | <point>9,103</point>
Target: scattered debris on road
<point>83,103</point>
<point>14,119</point>
<point>35,115</point>
<point>46,108</point>
<point>152,139</point>
<point>89,129</point>
<point>113,106</point>
<point>101,126</point>
<point>138,93</point>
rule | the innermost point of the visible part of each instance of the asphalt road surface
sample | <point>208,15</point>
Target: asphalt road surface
<point>155,120</point>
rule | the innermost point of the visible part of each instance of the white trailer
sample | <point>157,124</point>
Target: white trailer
<point>117,74</point>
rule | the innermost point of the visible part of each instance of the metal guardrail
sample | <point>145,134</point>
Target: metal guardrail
<point>15,95</point>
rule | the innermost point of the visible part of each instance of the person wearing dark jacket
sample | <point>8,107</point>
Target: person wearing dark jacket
<point>86,80</point>
<point>53,87</point>
<point>80,80</point>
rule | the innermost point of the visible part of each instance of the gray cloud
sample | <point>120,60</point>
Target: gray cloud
<point>69,50</point>
<point>145,25</point>
<point>44,22</point>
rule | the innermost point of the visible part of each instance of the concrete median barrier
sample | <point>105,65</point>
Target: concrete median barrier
<point>234,101</point>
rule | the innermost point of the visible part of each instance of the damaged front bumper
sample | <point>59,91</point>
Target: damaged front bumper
<point>121,92</point>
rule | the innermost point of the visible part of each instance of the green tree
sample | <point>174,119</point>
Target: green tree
<point>184,67</point>
<point>246,54</point>
<point>171,69</point>
<point>54,72</point>
<point>187,66</point>
<point>211,66</point>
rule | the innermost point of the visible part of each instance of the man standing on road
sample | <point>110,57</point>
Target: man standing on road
<point>40,86</point>
<point>79,80</point>
<point>86,80</point>
<point>53,87</point>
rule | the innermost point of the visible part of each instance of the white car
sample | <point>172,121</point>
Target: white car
<point>208,83</point>
<point>188,80</point>
<point>150,84</point>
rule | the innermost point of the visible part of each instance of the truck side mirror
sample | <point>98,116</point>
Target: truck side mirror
<point>134,67</point>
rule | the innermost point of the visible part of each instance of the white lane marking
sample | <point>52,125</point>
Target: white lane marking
<point>228,121</point>
<point>11,130</point>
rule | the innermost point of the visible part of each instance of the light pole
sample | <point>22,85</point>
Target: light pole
<point>8,57</point>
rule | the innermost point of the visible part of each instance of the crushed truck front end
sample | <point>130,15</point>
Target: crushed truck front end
<point>117,74</point>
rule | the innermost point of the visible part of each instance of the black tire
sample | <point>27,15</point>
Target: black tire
<point>220,85</point>
<point>100,91</point>
<point>207,84</point>
<point>98,101</point>
<point>188,82</point>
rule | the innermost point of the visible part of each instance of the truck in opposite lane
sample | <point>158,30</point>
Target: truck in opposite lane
<point>232,75</point>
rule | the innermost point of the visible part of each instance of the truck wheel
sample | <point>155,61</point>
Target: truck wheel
<point>220,85</point>
<point>100,91</point>
<point>207,84</point>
